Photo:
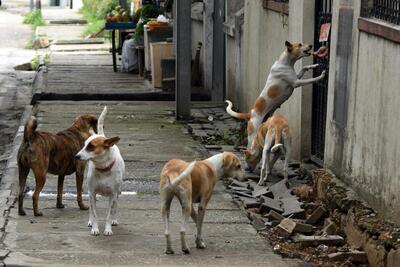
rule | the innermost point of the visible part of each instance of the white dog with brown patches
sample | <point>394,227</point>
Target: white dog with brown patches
<point>193,183</point>
<point>273,139</point>
<point>280,84</point>
<point>105,170</point>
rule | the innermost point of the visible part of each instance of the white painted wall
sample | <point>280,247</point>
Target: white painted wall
<point>369,160</point>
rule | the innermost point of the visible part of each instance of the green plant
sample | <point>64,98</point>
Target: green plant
<point>39,60</point>
<point>34,18</point>
<point>147,12</point>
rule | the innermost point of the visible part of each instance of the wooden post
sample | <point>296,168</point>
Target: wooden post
<point>183,58</point>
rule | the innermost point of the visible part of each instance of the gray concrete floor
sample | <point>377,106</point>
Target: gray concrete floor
<point>149,137</point>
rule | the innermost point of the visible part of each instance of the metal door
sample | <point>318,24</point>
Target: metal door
<point>323,14</point>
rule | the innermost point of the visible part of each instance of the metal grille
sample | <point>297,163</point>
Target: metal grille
<point>387,10</point>
<point>323,14</point>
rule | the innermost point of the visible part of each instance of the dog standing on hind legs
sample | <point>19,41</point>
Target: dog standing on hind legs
<point>281,82</point>
<point>45,152</point>
<point>193,183</point>
<point>105,171</point>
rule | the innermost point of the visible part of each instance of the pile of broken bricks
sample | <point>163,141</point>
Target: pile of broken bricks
<point>274,209</point>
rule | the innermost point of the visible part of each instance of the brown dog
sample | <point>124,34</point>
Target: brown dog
<point>193,183</point>
<point>54,153</point>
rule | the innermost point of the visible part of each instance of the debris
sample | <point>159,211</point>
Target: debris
<point>239,188</point>
<point>273,215</point>
<point>304,192</point>
<point>213,147</point>
<point>303,228</point>
<point>264,191</point>
<point>243,194</point>
<point>279,189</point>
<point>285,228</point>
<point>259,223</point>
<point>249,202</point>
<point>322,248</point>
<point>353,255</point>
<point>292,208</point>
<point>330,228</point>
<point>315,240</point>
<point>235,182</point>
<point>270,204</point>
<point>316,215</point>
<point>277,248</point>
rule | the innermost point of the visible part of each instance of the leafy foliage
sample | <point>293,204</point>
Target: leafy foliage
<point>34,18</point>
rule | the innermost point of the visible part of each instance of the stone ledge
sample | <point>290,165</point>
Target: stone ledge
<point>276,6</point>
<point>380,28</point>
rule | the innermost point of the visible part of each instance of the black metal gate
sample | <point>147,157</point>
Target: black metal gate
<point>323,14</point>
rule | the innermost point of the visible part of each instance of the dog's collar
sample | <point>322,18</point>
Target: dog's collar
<point>106,169</point>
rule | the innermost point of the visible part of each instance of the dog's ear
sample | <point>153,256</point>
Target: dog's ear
<point>111,141</point>
<point>289,46</point>
<point>91,131</point>
<point>93,124</point>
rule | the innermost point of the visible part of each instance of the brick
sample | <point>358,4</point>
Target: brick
<point>249,202</point>
<point>270,204</point>
<point>352,255</point>
<point>304,228</point>
<point>330,228</point>
<point>317,240</point>
<point>263,191</point>
<point>235,182</point>
<point>285,228</point>
<point>292,207</point>
<point>273,215</point>
<point>243,194</point>
<point>316,215</point>
<point>259,223</point>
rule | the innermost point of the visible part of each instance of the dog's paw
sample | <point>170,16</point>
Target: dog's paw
<point>114,222</point>
<point>95,231</point>
<point>21,213</point>
<point>108,232</point>
<point>83,206</point>
<point>60,206</point>
<point>313,66</point>
<point>38,213</point>
<point>323,73</point>
<point>186,250</point>
<point>89,223</point>
<point>169,251</point>
<point>200,244</point>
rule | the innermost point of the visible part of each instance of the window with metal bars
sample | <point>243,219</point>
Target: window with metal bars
<point>387,10</point>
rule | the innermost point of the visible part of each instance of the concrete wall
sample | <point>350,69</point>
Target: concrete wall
<point>265,32</point>
<point>365,153</point>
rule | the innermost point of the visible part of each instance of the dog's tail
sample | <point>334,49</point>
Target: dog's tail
<point>30,129</point>
<point>242,116</point>
<point>181,177</point>
<point>278,136</point>
<point>100,122</point>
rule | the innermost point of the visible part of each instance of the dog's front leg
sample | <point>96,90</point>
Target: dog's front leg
<point>92,214</point>
<point>305,69</point>
<point>111,212</point>
<point>299,83</point>
<point>79,175</point>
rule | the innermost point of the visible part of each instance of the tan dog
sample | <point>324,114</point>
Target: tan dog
<point>193,183</point>
<point>274,137</point>
<point>54,153</point>
<point>280,84</point>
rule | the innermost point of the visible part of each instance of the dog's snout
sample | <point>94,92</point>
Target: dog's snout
<point>310,46</point>
<point>77,157</point>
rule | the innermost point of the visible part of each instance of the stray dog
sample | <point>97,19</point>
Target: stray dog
<point>105,170</point>
<point>54,153</point>
<point>193,183</point>
<point>280,84</point>
<point>274,137</point>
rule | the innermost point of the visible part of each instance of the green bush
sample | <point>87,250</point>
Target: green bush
<point>105,7</point>
<point>34,18</point>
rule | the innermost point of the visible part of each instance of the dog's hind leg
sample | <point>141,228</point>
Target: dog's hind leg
<point>23,174</point>
<point>286,162</point>
<point>265,162</point>
<point>80,170</point>
<point>60,187</point>
<point>193,214</point>
<point>40,179</point>
<point>186,204</point>
<point>165,211</point>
